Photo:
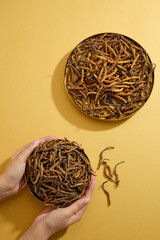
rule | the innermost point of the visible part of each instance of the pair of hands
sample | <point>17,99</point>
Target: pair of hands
<point>52,219</point>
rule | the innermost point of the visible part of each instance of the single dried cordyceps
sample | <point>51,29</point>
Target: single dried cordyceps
<point>109,76</point>
<point>58,172</point>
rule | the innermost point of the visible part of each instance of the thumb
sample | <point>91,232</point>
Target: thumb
<point>76,206</point>
<point>19,186</point>
<point>22,184</point>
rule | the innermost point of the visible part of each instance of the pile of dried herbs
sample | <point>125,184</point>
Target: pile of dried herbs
<point>109,76</point>
<point>58,172</point>
<point>111,175</point>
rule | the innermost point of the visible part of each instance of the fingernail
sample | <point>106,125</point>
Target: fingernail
<point>86,200</point>
<point>51,137</point>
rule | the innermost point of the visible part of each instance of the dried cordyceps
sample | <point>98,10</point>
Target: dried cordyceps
<point>116,174</point>
<point>109,76</point>
<point>101,157</point>
<point>109,174</point>
<point>58,172</point>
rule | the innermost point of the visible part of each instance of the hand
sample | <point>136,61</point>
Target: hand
<point>52,220</point>
<point>12,180</point>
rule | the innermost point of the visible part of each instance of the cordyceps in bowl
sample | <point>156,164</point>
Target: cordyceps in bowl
<point>109,76</point>
<point>58,172</point>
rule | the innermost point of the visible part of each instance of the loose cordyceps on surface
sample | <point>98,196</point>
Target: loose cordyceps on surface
<point>58,172</point>
<point>111,175</point>
<point>109,76</point>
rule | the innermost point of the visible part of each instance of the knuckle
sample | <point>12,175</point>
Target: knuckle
<point>17,152</point>
<point>80,204</point>
<point>78,217</point>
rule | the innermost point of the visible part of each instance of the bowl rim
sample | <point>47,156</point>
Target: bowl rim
<point>152,77</point>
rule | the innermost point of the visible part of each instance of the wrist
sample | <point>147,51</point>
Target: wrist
<point>33,233</point>
<point>42,228</point>
<point>37,231</point>
<point>4,188</point>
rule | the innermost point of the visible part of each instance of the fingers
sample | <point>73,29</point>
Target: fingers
<point>77,216</point>
<point>64,217</point>
<point>76,206</point>
<point>26,150</point>
<point>17,188</point>
<point>80,207</point>
<point>22,184</point>
<point>91,187</point>
<point>44,139</point>
<point>45,212</point>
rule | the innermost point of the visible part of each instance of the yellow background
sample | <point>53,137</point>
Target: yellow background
<point>36,37</point>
